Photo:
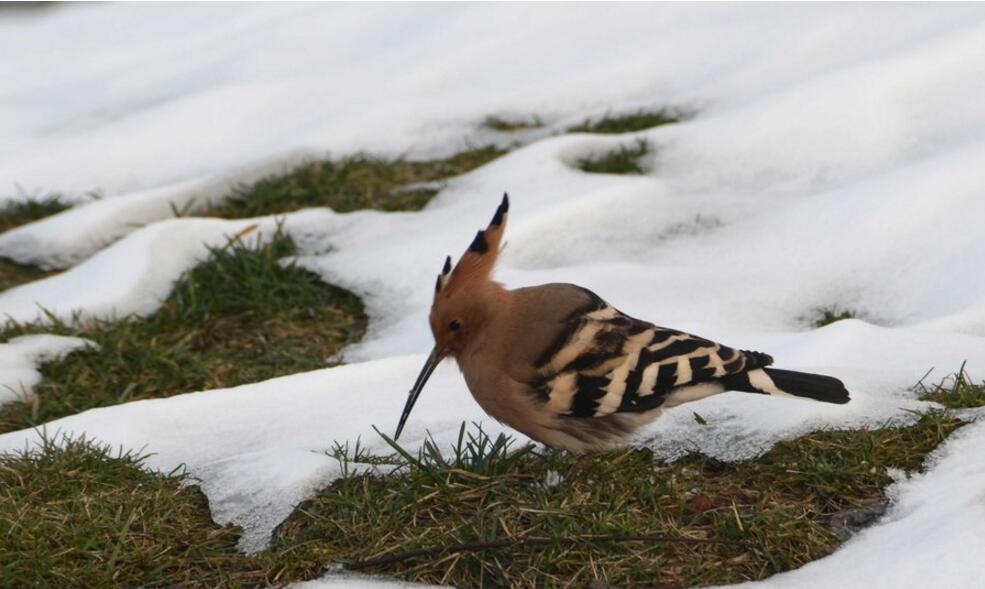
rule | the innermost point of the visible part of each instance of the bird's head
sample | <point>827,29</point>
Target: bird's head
<point>461,301</point>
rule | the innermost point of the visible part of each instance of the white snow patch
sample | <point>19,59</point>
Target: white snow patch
<point>20,357</point>
<point>354,581</point>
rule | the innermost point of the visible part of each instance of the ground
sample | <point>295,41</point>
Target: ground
<point>254,300</point>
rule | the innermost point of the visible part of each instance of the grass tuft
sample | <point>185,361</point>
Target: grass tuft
<point>242,316</point>
<point>955,392</point>
<point>355,182</point>
<point>622,160</point>
<point>18,212</point>
<point>474,452</point>
<point>630,122</point>
<point>832,314</point>
<point>81,515</point>
<point>511,125</point>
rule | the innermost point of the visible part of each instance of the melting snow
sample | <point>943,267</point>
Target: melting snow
<point>836,160</point>
<point>20,356</point>
<point>354,581</point>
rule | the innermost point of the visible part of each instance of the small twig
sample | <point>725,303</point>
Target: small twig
<point>497,544</point>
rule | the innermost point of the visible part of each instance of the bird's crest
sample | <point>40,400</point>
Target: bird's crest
<point>476,264</point>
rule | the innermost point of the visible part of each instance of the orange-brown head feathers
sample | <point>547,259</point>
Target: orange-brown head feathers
<point>464,299</point>
<point>463,294</point>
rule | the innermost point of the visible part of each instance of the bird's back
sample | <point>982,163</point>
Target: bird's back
<point>538,318</point>
<point>587,358</point>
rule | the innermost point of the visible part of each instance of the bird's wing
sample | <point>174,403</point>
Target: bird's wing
<point>604,361</point>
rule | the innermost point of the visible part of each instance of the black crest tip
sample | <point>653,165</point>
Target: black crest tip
<point>437,285</point>
<point>447,267</point>
<point>503,208</point>
<point>479,244</point>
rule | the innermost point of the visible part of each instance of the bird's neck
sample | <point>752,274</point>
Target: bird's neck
<point>490,304</point>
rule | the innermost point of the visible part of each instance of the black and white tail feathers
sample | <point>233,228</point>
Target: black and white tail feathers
<point>788,383</point>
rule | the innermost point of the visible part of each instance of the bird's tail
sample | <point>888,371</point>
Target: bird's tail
<point>787,383</point>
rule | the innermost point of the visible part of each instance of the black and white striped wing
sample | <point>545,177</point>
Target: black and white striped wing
<point>606,362</point>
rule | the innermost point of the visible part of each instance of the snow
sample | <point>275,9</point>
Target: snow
<point>20,356</point>
<point>354,581</point>
<point>835,160</point>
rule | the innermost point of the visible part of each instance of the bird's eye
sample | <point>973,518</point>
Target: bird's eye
<point>455,325</point>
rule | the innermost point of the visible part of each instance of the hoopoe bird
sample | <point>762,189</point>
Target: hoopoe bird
<point>565,368</point>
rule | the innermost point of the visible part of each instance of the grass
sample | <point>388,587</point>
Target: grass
<point>18,212</point>
<point>511,125</point>
<point>83,516</point>
<point>240,317</point>
<point>13,274</point>
<point>955,392</point>
<point>630,122</point>
<point>831,314</point>
<point>623,160</point>
<point>541,520</point>
<point>359,181</point>
<point>772,513</point>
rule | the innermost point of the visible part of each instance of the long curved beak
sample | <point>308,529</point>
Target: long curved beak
<point>432,362</point>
